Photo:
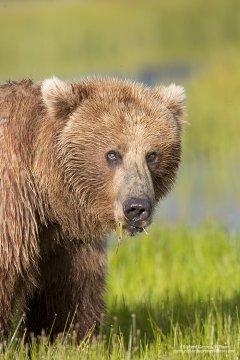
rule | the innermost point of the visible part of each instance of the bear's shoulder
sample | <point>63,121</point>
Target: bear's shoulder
<point>17,89</point>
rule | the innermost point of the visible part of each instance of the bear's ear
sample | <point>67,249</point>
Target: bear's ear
<point>61,98</point>
<point>174,99</point>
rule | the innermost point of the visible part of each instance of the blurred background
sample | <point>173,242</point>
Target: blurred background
<point>193,43</point>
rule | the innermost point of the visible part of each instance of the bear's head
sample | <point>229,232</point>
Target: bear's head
<point>119,147</point>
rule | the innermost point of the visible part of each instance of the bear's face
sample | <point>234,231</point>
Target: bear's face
<point>119,148</point>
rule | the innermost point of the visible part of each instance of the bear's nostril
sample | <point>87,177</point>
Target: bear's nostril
<point>137,209</point>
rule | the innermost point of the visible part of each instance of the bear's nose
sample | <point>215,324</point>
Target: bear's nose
<point>137,209</point>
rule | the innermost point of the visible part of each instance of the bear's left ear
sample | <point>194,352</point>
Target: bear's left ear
<point>61,98</point>
<point>174,99</point>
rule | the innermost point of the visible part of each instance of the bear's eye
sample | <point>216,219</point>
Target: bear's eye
<point>151,157</point>
<point>113,157</point>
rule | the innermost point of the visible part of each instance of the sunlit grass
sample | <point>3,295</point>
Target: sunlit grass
<point>177,287</point>
<point>155,262</point>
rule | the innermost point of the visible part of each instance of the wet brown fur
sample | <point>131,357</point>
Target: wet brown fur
<point>58,195</point>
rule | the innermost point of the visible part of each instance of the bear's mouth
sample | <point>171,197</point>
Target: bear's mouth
<point>133,230</point>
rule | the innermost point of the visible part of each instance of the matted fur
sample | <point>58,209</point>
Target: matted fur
<point>59,197</point>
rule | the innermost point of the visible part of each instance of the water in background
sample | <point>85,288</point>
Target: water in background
<point>203,194</point>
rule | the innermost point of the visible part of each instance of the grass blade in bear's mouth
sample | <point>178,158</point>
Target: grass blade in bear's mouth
<point>120,232</point>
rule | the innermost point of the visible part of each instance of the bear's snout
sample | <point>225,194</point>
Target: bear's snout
<point>137,210</point>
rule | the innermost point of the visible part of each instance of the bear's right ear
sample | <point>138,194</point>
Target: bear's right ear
<point>61,98</point>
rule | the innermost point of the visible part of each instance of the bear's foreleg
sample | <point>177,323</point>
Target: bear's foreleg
<point>15,284</point>
<point>8,280</point>
<point>72,284</point>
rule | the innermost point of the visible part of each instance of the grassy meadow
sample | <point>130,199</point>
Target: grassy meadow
<point>174,293</point>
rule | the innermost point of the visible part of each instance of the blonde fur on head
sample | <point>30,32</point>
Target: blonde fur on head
<point>52,89</point>
<point>58,96</point>
<point>174,98</point>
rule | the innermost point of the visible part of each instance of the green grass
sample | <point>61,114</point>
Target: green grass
<point>168,293</point>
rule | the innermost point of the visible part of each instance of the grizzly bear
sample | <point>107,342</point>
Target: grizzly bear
<point>76,160</point>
